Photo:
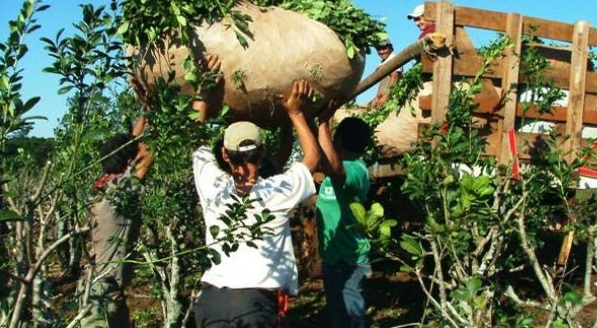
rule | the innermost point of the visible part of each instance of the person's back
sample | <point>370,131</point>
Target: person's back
<point>112,231</point>
<point>344,248</point>
<point>339,241</point>
<point>115,221</point>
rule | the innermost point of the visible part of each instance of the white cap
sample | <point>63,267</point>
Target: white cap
<point>417,12</point>
<point>242,136</point>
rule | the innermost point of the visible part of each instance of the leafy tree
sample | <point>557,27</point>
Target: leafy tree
<point>481,224</point>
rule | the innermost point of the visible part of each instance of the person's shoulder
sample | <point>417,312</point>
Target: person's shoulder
<point>203,153</point>
<point>296,168</point>
<point>357,165</point>
<point>202,149</point>
<point>295,172</point>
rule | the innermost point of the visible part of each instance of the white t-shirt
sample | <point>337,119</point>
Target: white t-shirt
<point>272,264</point>
<point>383,62</point>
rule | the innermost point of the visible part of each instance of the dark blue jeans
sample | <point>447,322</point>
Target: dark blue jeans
<point>342,286</point>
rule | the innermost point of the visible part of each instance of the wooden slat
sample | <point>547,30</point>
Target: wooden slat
<point>467,65</point>
<point>510,86</point>
<point>548,29</point>
<point>530,145</point>
<point>593,37</point>
<point>496,21</point>
<point>578,65</point>
<point>442,69</point>
<point>574,122</point>
<point>479,18</point>
<point>561,78</point>
<point>473,17</point>
<point>570,71</point>
<point>490,106</point>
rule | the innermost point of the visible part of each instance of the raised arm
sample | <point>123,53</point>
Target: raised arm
<point>199,104</point>
<point>144,158</point>
<point>294,105</point>
<point>331,161</point>
<point>383,96</point>
<point>139,126</point>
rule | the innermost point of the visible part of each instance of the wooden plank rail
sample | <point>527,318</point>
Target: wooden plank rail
<point>442,69</point>
<point>574,119</point>
<point>570,70</point>
<point>467,65</point>
<point>558,114</point>
<point>496,21</point>
<point>510,88</point>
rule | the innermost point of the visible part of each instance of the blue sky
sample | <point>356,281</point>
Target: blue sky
<point>63,13</point>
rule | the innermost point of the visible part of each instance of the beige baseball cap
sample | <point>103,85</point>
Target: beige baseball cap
<point>242,136</point>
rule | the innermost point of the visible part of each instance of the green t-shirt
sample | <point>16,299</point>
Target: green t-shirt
<point>337,239</point>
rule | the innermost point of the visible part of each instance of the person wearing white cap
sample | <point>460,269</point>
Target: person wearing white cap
<point>424,25</point>
<point>249,287</point>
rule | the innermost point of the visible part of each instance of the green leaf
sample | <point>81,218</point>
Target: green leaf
<point>193,115</point>
<point>36,117</point>
<point>214,230</point>
<point>350,52</point>
<point>473,285</point>
<point>572,297</point>
<point>385,229</point>
<point>216,258</point>
<point>388,224</point>
<point>30,103</point>
<point>407,269</point>
<point>435,227</point>
<point>7,215</point>
<point>359,212</point>
<point>65,89</point>
<point>181,20</point>
<point>123,28</point>
<point>191,77</point>
<point>411,246</point>
<point>4,82</point>
<point>376,210</point>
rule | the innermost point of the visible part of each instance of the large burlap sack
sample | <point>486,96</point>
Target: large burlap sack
<point>284,46</point>
<point>399,131</point>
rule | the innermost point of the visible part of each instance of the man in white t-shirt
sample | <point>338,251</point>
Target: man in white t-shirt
<point>244,288</point>
<point>385,52</point>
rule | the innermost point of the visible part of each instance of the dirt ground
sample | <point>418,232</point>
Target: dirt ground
<point>393,300</point>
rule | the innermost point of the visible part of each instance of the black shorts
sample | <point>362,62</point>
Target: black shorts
<point>227,307</point>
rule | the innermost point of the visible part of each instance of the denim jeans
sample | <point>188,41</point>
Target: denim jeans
<point>342,287</point>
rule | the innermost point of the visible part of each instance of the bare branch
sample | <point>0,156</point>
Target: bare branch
<point>42,183</point>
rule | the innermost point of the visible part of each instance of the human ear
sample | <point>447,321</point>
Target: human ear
<point>225,155</point>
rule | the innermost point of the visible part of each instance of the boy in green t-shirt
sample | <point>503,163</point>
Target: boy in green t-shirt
<point>344,250</point>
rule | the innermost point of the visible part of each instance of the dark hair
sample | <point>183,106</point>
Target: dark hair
<point>240,157</point>
<point>384,46</point>
<point>119,149</point>
<point>353,134</point>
